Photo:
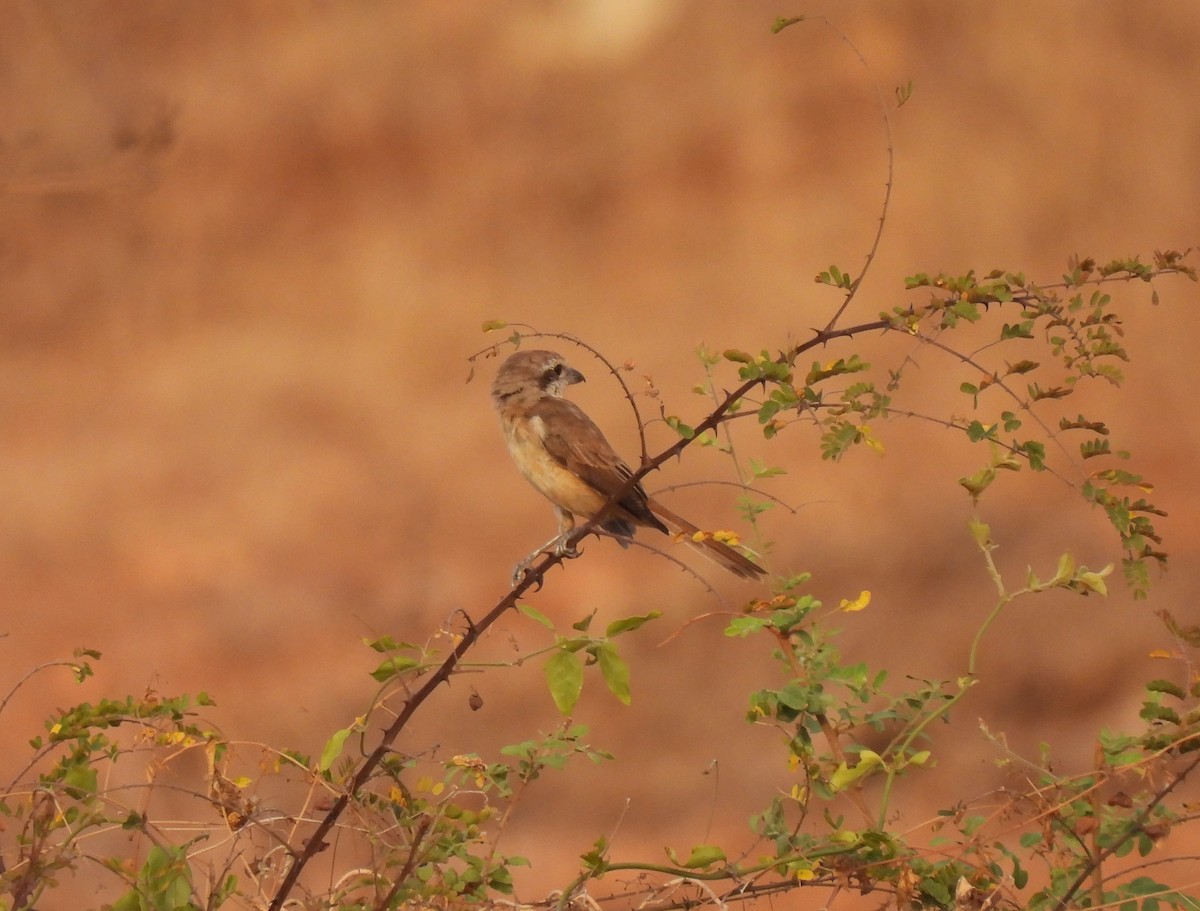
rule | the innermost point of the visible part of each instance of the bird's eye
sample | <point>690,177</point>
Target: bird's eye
<point>558,369</point>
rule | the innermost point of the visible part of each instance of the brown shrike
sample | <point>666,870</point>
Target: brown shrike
<point>565,456</point>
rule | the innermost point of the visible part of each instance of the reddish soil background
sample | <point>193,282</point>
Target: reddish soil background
<point>246,249</point>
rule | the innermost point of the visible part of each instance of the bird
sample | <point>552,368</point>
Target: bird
<point>567,458</point>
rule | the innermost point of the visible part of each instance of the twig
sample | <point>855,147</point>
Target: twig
<point>442,674</point>
<point>1134,829</point>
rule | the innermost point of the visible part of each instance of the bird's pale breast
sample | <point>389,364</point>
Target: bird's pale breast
<point>559,485</point>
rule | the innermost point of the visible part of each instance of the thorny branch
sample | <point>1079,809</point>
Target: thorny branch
<point>535,575</point>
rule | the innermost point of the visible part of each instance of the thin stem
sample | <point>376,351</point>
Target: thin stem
<point>887,187</point>
<point>316,841</point>
<point>965,684</point>
<point>1134,829</point>
<point>724,872</point>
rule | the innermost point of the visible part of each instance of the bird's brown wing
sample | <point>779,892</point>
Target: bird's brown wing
<point>573,439</point>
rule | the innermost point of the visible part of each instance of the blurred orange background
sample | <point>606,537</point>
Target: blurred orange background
<point>247,249</point>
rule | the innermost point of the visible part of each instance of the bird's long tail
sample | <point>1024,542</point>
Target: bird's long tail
<point>718,551</point>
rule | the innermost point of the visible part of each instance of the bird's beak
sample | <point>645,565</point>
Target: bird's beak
<point>573,376</point>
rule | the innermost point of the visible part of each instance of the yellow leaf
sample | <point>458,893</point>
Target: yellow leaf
<point>980,531</point>
<point>726,537</point>
<point>871,440</point>
<point>1161,653</point>
<point>857,604</point>
<point>1065,570</point>
<point>844,776</point>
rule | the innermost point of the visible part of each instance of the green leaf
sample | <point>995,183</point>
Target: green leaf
<point>976,431</point>
<point>768,410</point>
<point>844,776</point>
<point>564,674</point>
<point>1021,367</point>
<point>615,671</point>
<point>1065,570</point>
<point>629,624</point>
<point>492,325</point>
<point>1035,452</point>
<point>937,891</point>
<point>704,856</point>
<point>80,781</point>
<point>595,861</point>
<point>1020,330</point>
<point>744,626</point>
<point>686,431</point>
<point>133,821</point>
<point>1166,687</point>
<point>164,881</point>
<point>760,469</point>
<point>979,482</point>
<point>536,615</point>
<point>968,310</point>
<point>1094,581</point>
<point>387,644</point>
<point>980,531</point>
<point>393,667</point>
<point>333,749</point>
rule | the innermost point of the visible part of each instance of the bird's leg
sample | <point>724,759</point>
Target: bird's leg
<point>566,525</point>
<point>557,545</point>
<point>522,568</point>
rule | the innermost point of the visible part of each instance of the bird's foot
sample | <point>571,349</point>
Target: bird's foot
<point>522,569</point>
<point>565,550</point>
<point>557,546</point>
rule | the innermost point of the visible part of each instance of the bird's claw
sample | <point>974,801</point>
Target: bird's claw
<point>524,568</point>
<point>558,547</point>
<point>566,551</point>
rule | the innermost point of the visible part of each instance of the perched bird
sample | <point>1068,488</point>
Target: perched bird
<point>562,453</point>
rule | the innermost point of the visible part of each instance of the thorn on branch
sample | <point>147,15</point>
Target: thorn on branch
<point>470,623</point>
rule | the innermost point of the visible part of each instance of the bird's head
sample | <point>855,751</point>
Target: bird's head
<point>546,372</point>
